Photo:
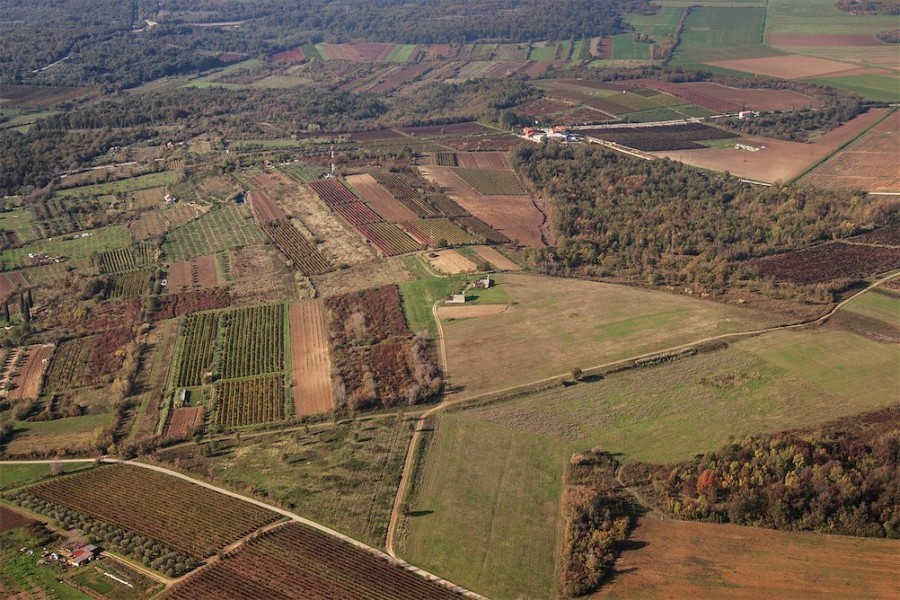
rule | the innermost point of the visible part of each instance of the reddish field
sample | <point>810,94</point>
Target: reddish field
<point>294,561</point>
<point>789,66</point>
<point>27,384</point>
<point>453,129</point>
<point>500,143</point>
<point>828,261</point>
<point>399,77</point>
<point>294,245</point>
<point>721,98</point>
<point>482,160</point>
<point>10,283</point>
<point>379,198</point>
<point>10,519</point>
<point>388,238</point>
<point>184,275</point>
<point>776,160</point>
<point>176,305</point>
<point>869,164</point>
<point>264,208</point>
<point>183,421</point>
<point>310,361</point>
<point>539,108</point>
<point>357,213</point>
<point>181,515</point>
<point>676,559</point>
<point>332,192</point>
<point>375,135</point>
<point>288,56</point>
<point>516,217</point>
<point>480,229</point>
<point>832,40</point>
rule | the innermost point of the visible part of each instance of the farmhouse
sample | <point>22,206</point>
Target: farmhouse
<point>80,555</point>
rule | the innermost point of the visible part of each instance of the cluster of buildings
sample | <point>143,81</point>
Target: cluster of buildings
<point>558,132</point>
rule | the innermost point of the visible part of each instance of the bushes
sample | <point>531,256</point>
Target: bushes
<point>597,518</point>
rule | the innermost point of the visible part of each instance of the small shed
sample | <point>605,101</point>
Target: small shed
<point>456,299</point>
<point>484,282</point>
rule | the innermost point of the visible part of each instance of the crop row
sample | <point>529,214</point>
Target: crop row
<point>198,336</point>
<point>230,226</point>
<point>446,206</point>
<point>436,232</point>
<point>480,229</point>
<point>179,514</point>
<point>127,285</point>
<point>388,238</point>
<point>294,561</point>
<point>669,137</point>
<point>293,244</point>
<point>357,213</point>
<point>491,182</point>
<point>126,259</point>
<point>395,185</point>
<point>445,159</point>
<point>332,192</point>
<point>253,341</point>
<point>250,401</point>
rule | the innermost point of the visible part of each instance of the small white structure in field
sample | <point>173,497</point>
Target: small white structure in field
<point>484,283</point>
<point>456,299</point>
<point>747,114</point>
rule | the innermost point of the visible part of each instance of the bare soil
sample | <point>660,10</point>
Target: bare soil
<point>451,262</point>
<point>260,275</point>
<point>380,199</point>
<point>27,383</point>
<point>497,260</point>
<point>362,277</point>
<point>310,360</point>
<point>789,66</point>
<point>468,312</point>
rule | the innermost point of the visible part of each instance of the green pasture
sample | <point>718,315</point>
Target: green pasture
<point>881,305</point>
<point>99,240</point>
<point>132,184</point>
<point>722,33</point>
<point>401,53</point>
<point>884,88</point>
<point>624,48</point>
<point>821,16</point>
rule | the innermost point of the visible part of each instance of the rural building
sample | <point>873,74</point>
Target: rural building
<point>80,555</point>
<point>747,114</point>
<point>484,283</point>
<point>456,299</point>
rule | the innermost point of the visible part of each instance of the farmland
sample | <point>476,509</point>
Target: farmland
<point>310,362</point>
<point>670,137</point>
<point>264,208</point>
<point>388,238</point>
<point>183,421</point>
<point>380,199</point>
<point>437,231</point>
<point>87,360</point>
<point>223,228</point>
<point>128,285</point>
<point>569,322</point>
<point>126,259</point>
<point>713,32</point>
<point>702,560</point>
<point>332,192</point>
<point>301,251</point>
<point>194,350</point>
<point>491,182</point>
<point>142,501</point>
<point>71,247</point>
<point>826,262</point>
<point>27,383</point>
<point>253,341</point>
<point>294,561</point>
<point>200,272</point>
<point>250,401</point>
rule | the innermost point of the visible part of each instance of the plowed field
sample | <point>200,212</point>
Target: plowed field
<point>264,208</point>
<point>310,361</point>
<point>183,421</point>
<point>496,259</point>
<point>27,384</point>
<point>380,199</point>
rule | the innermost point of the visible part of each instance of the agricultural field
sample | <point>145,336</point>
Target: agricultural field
<point>86,361</point>
<point>722,32</point>
<point>252,341</point>
<point>388,238</point>
<point>48,438</point>
<point>249,401</point>
<point>133,184</point>
<point>142,501</point>
<point>126,259</point>
<point>776,160</point>
<point>332,192</point>
<point>451,262</point>
<point>437,232</point>
<point>496,259</point>
<point>194,349</point>
<point>380,199</point>
<point>302,252</point>
<point>128,285</point>
<point>219,229</point>
<point>310,361</point>
<point>357,213</point>
<point>669,137</point>
<point>265,209</point>
<point>26,384</point>
<point>491,182</point>
<point>294,561</point>
<point>869,163</point>
<point>77,246</point>
<point>703,560</point>
<point>200,272</point>
<point>827,262</point>
<point>572,323</point>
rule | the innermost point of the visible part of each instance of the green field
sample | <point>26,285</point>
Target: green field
<point>821,16</point>
<point>229,226</point>
<point>877,87</point>
<point>542,51</point>
<point>15,475</point>
<point>492,479</point>
<point>345,476</point>
<point>486,513</point>
<point>133,184</point>
<point>555,325</point>
<point>401,53</point>
<point>720,33</point>
<point>420,295</point>
<point>23,222</point>
<point>624,48</point>
<point>47,436</point>
<point>20,571</point>
<point>99,240</point>
<point>881,305</point>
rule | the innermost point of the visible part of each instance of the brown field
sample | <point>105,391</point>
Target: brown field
<point>183,421</point>
<point>472,311</point>
<point>869,164</point>
<point>450,262</point>
<point>199,272</point>
<point>340,245</point>
<point>310,361</point>
<point>362,276</point>
<point>777,160</point>
<point>11,283</point>
<point>260,275</point>
<point>156,222</point>
<point>789,66</point>
<point>746,98</point>
<point>496,259</point>
<point>832,40</point>
<point>380,199</point>
<point>556,324</point>
<point>264,208</point>
<point>677,559</point>
<point>27,384</point>
<point>483,160</point>
<point>514,216</point>
<point>10,519</point>
<point>150,198</point>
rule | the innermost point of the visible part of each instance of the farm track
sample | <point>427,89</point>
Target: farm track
<point>446,402</point>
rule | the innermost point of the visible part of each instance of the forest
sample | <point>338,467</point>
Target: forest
<point>664,223</point>
<point>838,478</point>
